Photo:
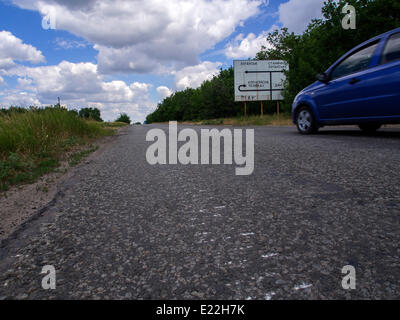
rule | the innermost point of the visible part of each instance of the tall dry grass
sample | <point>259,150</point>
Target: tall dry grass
<point>41,130</point>
<point>32,141</point>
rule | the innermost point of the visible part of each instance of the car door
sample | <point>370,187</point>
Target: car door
<point>350,87</point>
<point>385,102</point>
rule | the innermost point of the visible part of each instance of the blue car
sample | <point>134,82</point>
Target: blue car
<point>362,88</point>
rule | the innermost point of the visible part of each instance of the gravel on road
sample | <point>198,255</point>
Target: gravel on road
<point>120,228</point>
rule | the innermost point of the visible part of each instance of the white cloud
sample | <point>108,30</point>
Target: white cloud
<point>192,77</point>
<point>247,47</point>
<point>6,64</point>
<point>297,14</point>
<point>142,36</point>
<point>15,97</point>
<point>70,44</point>
<point>12,48</point>
<point>25,83</point>
<point>79,85</point>
<point>163,92</point>
<point>1,81</point>
<point>294,14</point>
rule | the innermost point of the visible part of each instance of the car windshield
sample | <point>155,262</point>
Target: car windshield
<point>356,62</point>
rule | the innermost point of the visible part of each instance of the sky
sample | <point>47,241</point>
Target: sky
<point>125,56</point>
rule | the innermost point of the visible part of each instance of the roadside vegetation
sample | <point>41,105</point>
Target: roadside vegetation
<point>90,114</point>
<point>308,54</point>
<point>123,117</point>
<point>34,141</point>
<point>274,120</point>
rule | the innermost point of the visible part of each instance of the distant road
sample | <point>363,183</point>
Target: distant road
<point>122,229</point>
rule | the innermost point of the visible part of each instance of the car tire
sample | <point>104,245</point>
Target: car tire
<point>305,121</point>
<point>369,127</point>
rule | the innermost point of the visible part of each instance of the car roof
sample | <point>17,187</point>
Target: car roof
<point>383,35</point>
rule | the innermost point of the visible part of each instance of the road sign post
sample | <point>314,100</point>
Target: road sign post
<point>262,109</point>
<point>259,80</point>
<point>277,108</point>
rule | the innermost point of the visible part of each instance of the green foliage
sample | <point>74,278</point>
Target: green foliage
<point>90,113</point>
<point>277,120</point>
<point>75,112</point>
<point>113,124</point>
<point>32,141</point>
<point>213,99</point>
<point>123,117</point>
<point>16,169</point>
<point>77,157</point>
<point>308,54</point>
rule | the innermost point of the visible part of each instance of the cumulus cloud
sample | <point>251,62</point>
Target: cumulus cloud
<point>294,14</point>
<point>163,92</point>
<point>297,14</point>
<point>246,47</point>
<point>143,36</point>
<point>6,64</point>
<point>79,85</point>
<point>12,48</point>
<point>70,44</point>
<point>192,77</point>
<point>25,83</point>
<point>15,97</point>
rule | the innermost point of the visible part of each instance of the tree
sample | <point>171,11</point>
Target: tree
<point>90,113</point>
<point>75,112</point>
<point>123,117</point>
<point>214,98</point>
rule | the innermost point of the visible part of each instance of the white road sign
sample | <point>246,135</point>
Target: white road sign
<point>259,80</point>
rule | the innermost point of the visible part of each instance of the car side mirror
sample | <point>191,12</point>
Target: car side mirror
<point>323,77</point>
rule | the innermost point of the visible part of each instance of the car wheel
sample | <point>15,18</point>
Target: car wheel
<point>305,121</point>
<point>369,127</point>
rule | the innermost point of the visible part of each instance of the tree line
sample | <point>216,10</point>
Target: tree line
<point>92,114</point>
<point>312,52</point>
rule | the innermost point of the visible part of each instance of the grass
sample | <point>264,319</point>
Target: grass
<point>270,120</point>
<point>32,143</point>
<point>77,157</point>
<point>115,124</point>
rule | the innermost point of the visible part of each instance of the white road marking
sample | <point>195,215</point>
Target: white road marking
<point>302,286</point>
<point>268,296</point>
<point>269,255</point>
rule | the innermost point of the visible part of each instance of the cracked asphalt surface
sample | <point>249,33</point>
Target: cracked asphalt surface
<point>123,229</point>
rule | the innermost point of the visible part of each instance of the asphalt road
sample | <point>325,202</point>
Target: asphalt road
<point>123,229</point>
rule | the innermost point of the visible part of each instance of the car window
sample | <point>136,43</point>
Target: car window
<point>392,49</point>
<point>358,61</point>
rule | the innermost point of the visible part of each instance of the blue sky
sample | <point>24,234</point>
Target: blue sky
<point>127,55</point>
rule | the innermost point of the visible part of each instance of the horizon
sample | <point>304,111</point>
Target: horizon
<point>93,55</point>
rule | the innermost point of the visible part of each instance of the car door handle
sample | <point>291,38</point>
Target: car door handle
<point>354,81</point>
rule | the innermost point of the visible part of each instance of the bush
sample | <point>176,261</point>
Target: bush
<point>90,113</point>
<point>124,118</point>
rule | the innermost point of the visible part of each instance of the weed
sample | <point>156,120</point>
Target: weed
<point>33,141</point>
